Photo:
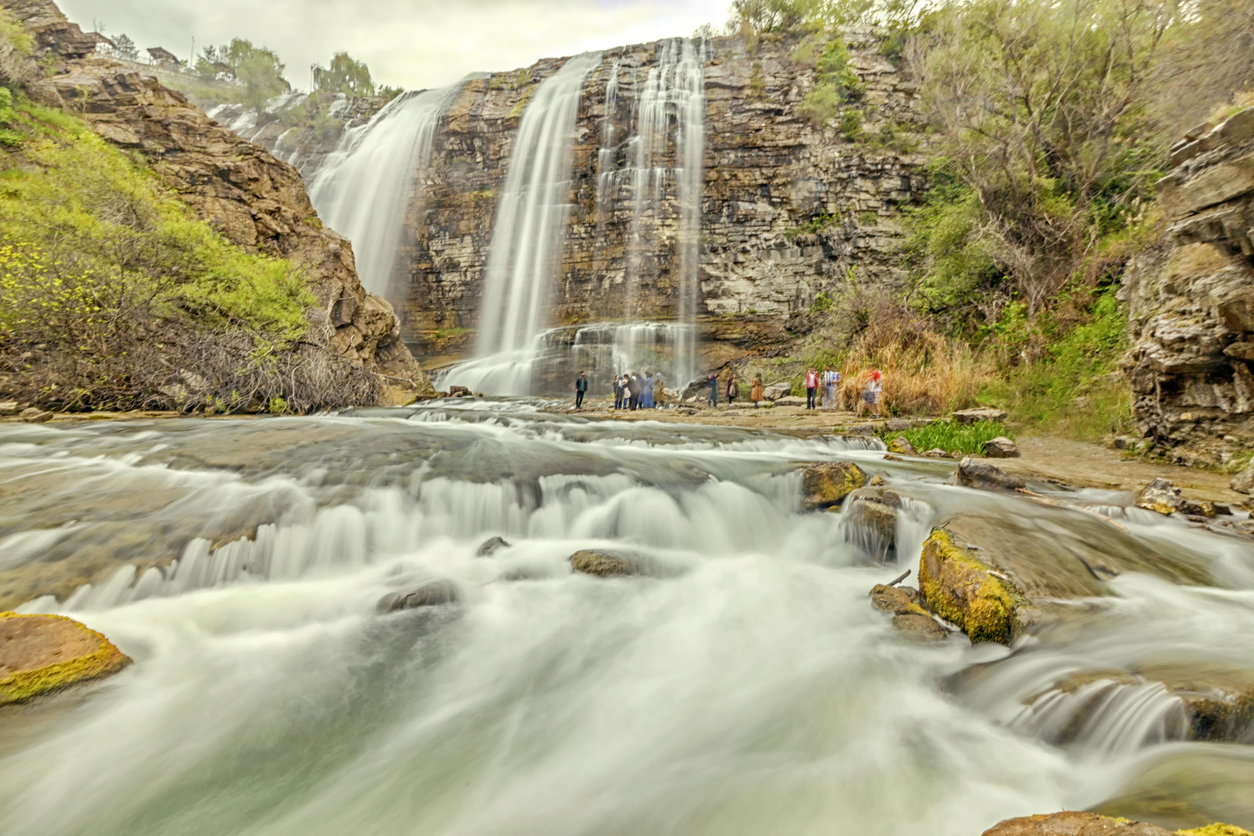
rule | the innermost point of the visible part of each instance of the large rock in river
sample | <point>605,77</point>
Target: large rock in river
<point>1092,824</point>
<point>41,654</point>
<point>826,484</point>
<point>991,573</point>
<point>607,564</point>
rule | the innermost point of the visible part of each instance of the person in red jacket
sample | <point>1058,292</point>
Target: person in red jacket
<point>812,387</point>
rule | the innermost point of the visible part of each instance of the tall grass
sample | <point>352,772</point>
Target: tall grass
<point>952,437</point>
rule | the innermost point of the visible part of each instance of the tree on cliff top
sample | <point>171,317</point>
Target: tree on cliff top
<point>1042,117</point>
<point>345,75</point>
<point>258,71</point>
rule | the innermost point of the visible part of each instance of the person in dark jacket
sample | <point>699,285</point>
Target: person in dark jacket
<point>581,389</point>
<point>713,384</point>
<point>633,391</point>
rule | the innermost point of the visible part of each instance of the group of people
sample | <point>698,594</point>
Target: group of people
<point>828,382</point>
<point>635,391</point>
<point>732,390</point>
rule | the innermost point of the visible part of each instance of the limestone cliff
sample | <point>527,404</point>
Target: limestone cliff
<point>789,209</point>
<point>255,200</point>
<point>1191,302</point>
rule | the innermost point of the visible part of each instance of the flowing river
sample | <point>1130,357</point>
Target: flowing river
<point>745,687</point>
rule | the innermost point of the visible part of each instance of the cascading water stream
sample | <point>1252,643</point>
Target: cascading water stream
<point>367,187</point>
<point>670,126</point>
<point>745,687</point>
<point>527,238</point>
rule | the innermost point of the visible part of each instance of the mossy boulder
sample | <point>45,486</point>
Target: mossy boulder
<point>994,572</point>
<point>963,589</point>
<point>1093,824</point>
<point>826,484</point>
<point>42,654</point>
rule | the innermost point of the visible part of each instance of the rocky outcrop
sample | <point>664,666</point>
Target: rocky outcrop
<point>42,654</point>
<point>253,199</point>
<point>1191,301</point>
<point>993,575</point>
<point>789,209</point>
<point>433,594</point>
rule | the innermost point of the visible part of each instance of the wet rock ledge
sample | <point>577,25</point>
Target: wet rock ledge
<point>42,654</point>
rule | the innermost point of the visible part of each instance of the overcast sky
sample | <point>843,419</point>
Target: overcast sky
<point>407,43</point>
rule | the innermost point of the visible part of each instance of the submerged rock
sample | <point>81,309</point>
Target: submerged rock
<point>1001,448</point>
<point>607,564</point>
<point>973,474</point>
<point>492,546</point>
<point>41,654</point>
<point>908,616</point>
<point>873,512</point>
<point>975,416</point>
<point>828,483</point>
<point>434,594</point>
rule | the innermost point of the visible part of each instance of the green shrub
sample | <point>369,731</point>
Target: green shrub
<point>951,437</point>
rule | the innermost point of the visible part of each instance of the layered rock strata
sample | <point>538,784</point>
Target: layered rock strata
<point>255,200</point>
<point>1191,301</point>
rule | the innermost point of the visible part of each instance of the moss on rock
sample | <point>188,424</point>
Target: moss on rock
<point>42,654</point>
<point>962,589</point>
<point>826,484</point>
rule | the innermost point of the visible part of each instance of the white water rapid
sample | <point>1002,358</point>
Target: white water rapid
<point>527,238</point>
<point>745,686</point>
<point>367,187</point>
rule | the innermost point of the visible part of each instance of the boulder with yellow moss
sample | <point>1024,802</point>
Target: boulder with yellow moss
<point>42,654</point>
<point>993,574</point>
<point>1092,824</point>
<point>826,484</point>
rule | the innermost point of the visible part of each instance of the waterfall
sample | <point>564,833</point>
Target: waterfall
<point>605,156</point>
<point>364,189</point>
<point>527,238</point>
<point>670,114</point>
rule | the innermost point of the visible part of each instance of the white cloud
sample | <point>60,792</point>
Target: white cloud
<point>407,43</point>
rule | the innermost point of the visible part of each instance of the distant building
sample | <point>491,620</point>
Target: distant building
<point>164,58</point>
<point>224,71</point>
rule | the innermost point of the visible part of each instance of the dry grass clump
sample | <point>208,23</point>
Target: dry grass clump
<point>923,372</point>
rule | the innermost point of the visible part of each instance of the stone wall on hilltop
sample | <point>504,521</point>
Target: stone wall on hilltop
<point>255,200</point>
<point>1191,301</point>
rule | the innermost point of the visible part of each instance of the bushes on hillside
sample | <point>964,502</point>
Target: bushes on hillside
<point>112,296</point>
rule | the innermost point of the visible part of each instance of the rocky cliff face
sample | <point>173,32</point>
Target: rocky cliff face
<point>789,209</point>
<point>255,200</point>
<point>1191,302</point>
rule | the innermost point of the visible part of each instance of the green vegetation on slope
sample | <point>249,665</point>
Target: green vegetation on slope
<point>113,296</point>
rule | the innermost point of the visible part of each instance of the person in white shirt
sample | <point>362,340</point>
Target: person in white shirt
<point>831,384</point>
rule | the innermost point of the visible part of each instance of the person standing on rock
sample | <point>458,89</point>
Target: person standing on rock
<point>713,384</point>
<point>581,389</point>
<point>755,394</point>
<point>831,383</point>
<point>812,386</point>
<point>646,391</point>
<point>659,391</point>
<point>633,391</point>
<point>732,389</point>
<point>618,391</point>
